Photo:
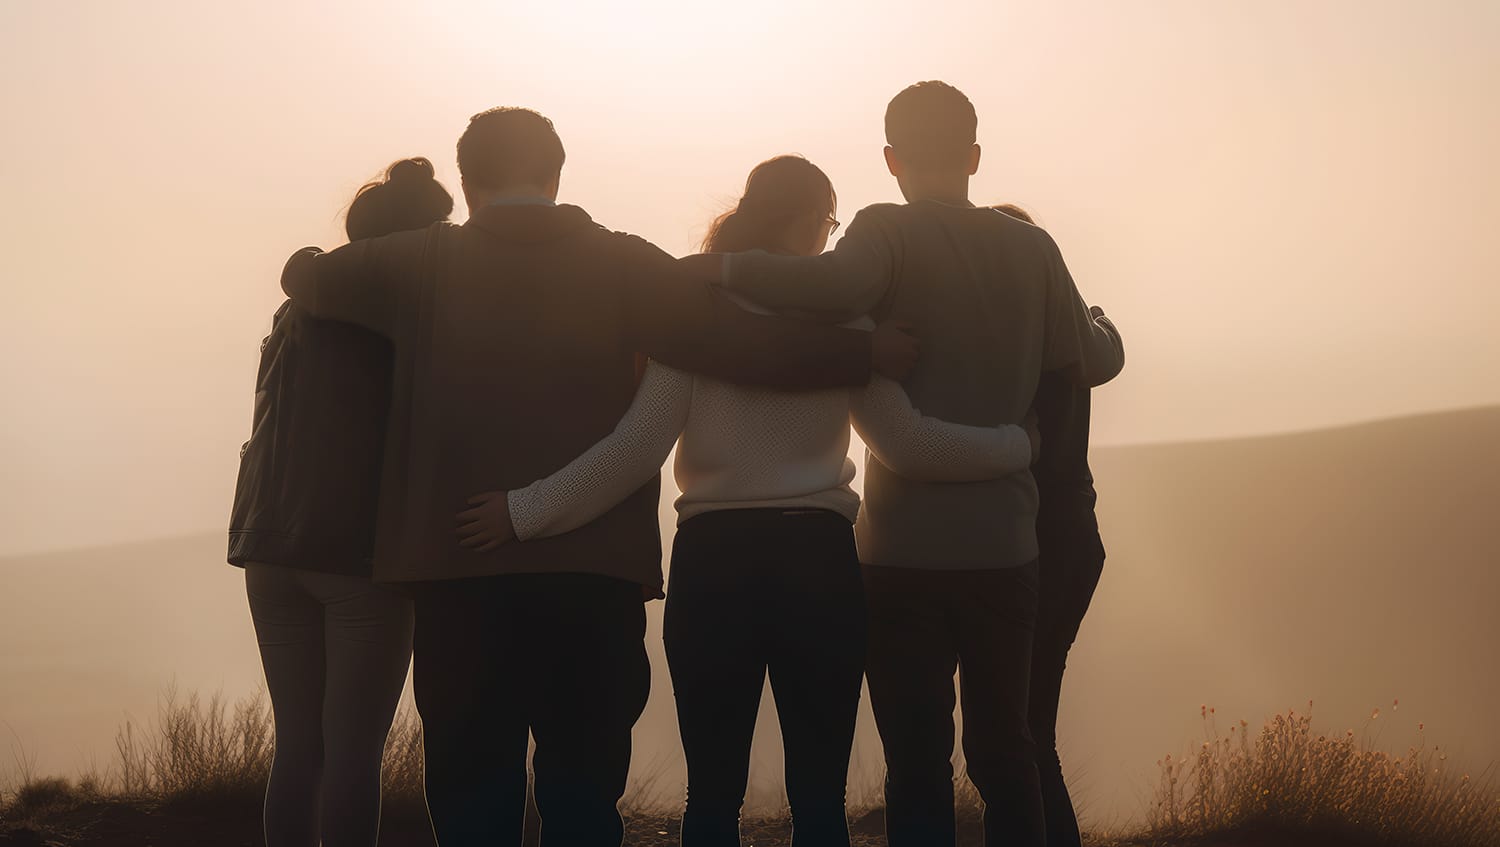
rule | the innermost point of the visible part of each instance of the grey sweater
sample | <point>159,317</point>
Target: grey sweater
<point>995,307</point>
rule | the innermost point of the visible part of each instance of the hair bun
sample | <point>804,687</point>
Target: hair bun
<point>415,169</point>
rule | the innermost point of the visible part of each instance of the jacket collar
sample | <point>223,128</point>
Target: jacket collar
<point>530,222</point>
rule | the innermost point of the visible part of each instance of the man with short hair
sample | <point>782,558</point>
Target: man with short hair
<point>516,339</point>
<point>950,569</point>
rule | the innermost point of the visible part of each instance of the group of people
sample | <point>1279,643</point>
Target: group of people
<point>455,463</point>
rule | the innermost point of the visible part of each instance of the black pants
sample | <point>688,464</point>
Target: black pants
<point>1071,565</point>
<point>924,625</point>
<point>559,655</point>
<point>756,591</point>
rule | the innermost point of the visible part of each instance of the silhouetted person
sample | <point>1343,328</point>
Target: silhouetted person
<point>765,579</point>
<point>1071,562</point>
<point>334,644</point>
<point>951,570</point>
<point>515,339</point>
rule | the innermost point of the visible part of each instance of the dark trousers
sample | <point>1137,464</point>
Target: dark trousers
<point>559,655</point>
<point>924,626</point>
<point>756,591</point>
<point>1071,565</point>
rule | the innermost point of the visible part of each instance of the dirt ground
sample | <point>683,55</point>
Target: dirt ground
<point>122,824</point>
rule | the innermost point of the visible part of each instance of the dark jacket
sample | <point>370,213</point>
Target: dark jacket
<point>310,474</point>
<point>515,350</point>
<point>1066,527</point>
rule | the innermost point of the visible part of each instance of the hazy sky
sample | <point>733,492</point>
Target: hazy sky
<point>1289,207</point>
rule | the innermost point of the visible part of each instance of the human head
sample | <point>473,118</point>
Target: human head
<point>407,196</point>
<point>788,207</point>
<point>509,151</point>
<point>930,133</point>
<point>1015,211</point>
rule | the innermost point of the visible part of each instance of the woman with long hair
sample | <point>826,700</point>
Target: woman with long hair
<point>764,575</point>
<point>335,645</point>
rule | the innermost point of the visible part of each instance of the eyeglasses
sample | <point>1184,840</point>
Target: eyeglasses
<point>833,224</point>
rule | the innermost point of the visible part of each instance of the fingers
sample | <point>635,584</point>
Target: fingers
<point>476,538</point>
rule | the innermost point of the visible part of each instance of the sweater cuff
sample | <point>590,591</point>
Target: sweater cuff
<point>524,520</point>
<point>1016,450</point>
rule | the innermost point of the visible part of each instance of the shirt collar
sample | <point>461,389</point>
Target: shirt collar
<point>523,201</point>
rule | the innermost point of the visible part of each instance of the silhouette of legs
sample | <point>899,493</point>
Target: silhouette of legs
<point>289,629</point>
<point>756,590</point>
<point>817,668</point>
<point>995,622</point>
<point>557,656</point>
<point>1071,565</point>
<point>924,625</point>
<point>367,635</point>
<point>718,672</point>
<point>912,660</point>
<point>587,691</point>
<point>467,675</point>
<point>335,651</point>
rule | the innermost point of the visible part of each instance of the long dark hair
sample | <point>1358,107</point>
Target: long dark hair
<point>778,191</point>
<point>407,196</point>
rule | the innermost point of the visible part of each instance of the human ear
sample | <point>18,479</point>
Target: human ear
<point>893,162</point>
<point>974,160</point>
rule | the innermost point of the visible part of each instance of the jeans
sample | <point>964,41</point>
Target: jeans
<point>1071,564</point>
<point>560,656</point>
<point>756,592</point>
<point>335,651</point>
<point>924,625</point>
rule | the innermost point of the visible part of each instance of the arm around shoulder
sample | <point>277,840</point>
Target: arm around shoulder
<point>927,449</point>
<point>361,282</point>
<point>683,322</point>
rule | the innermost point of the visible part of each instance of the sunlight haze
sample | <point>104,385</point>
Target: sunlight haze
<point>1288,208</point>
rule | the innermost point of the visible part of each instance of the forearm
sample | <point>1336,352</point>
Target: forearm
<point>703,332</point>
<point>928,449</point>
<point>831,286</point>
<point>350,284</point>
<point>848,281</point>
<point>613,468</point>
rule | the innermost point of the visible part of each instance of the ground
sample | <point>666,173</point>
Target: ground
<point>122,824</point>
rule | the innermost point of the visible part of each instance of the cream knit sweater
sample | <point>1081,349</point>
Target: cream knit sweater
<point>744,447</point>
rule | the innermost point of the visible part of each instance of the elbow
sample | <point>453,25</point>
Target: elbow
<point>1106,373</point>
<point>908,467</point>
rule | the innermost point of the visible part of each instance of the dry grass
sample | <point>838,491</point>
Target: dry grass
<point>1300,786</point>
<point>1289,776</point>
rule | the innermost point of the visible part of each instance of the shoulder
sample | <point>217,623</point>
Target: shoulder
<point>882,214</point>
<point>634,250</point>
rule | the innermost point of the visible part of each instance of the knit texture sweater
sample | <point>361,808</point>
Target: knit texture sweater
<point>744,447</point>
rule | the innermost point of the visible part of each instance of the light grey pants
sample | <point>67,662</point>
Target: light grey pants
<point>335,651</point>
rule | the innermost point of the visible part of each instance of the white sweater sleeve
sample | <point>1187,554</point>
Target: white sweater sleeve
<point>926,449</point>
<point>612,469</point>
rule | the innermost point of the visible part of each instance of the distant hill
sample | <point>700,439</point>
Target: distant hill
<point>1353,566</point>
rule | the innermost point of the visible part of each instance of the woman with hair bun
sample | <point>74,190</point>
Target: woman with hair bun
<point>334,644</point>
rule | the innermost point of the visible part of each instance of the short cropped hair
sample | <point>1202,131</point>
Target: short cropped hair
<point>931,125</point>
<point>509,146</point>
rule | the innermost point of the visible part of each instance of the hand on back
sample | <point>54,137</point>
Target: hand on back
<point>486,526</point>
<point>894,350</point>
